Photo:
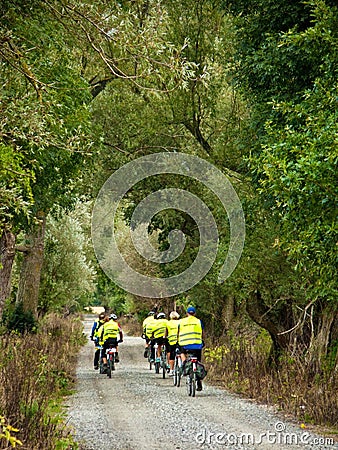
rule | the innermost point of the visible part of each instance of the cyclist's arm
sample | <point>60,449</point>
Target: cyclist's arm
<point>93,330</point>
<point>101,335</point>
<point>203,332</point>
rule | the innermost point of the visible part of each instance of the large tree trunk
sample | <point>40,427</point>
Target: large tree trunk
<point>30,274</point>
<point>276,322</point>
<point>321,342</point>
<point>7,253</point>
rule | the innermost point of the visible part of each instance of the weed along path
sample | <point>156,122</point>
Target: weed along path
<point>138,410</point>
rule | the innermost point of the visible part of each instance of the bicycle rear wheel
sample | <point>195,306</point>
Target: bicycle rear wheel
<point>157,367</point>
<point>109,368</point>
<point>193,384</point>
<point>113,362</point>
<point>175,377</point>
<point>189,383</point>
<point>164,366</point>
<point>179,375</point>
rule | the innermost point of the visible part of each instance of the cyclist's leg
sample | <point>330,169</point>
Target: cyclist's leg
<point>171,357</point>
<point>96,358</point>
<point>152,349</point>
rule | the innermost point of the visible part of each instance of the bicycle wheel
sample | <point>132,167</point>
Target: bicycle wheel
<point>109,368</point>
<point>113,362</point>
<point>157,367</point>
<point>193,384</point>
<point>179,379</point>
<point>175,377</point>
<point>189,385</point>
<point>163,364</point>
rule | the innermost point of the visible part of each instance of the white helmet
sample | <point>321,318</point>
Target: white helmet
<point>160,315</point>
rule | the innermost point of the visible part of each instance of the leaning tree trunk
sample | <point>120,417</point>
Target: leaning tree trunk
<point>275,322</point>
<point>30,274</point>
<point>7,253</point>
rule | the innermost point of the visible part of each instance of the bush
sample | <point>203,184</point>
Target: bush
<point>35,369</point>
<point>14,318</point>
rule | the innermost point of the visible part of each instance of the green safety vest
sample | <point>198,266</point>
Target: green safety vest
<point>160,326</point>
<point>172,327</point>
<point>190,331</point>
<point>110,330</point>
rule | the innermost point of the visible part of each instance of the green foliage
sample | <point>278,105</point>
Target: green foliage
<point>45,121</point>
<point>68,275</point>
<point>298,163</point>
<point>14,318</point>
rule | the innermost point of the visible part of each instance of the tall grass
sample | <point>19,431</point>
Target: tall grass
<point>241,365</point>
<point>35,369</point>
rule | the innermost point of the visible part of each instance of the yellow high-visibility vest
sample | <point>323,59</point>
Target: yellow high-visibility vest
<point>109,330</point>
<point>172,327</point>
<point>149,328</point>
<point>146,321</point>
<point>160,326</point>
<point>98,328</point>
<point>190,331</point>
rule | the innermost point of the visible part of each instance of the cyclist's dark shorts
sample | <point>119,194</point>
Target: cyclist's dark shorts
<point>172,350</point>
<point>110,342</point>
<point>193,352</point>
<point>161,341</point>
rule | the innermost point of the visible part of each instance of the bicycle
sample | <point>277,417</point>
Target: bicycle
<point>163,360</point>
<point>150,359</point>
<point>157,360</point>
<point>191,372</point>
<point>101,369</point>
<point>111,359</point>
<point>177,368</point>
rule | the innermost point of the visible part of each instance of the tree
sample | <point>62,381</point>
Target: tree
<point>46,132</point>
<point>68,276</point>
<point>286,61</point>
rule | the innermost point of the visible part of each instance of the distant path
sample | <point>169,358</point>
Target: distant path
<point>138,410</point>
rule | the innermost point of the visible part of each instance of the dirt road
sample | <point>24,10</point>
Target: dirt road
<point>138,410</point>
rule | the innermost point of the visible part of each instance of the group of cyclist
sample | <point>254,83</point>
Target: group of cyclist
<point>185,334</point>
<point>106,332</point>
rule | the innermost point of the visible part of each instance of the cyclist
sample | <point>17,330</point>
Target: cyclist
<point>94,336</point>
<point>114,317</point>
<point>159,327</point>
<point>148,319</point>
<point>149,328</point>
<point>171,335</point>
<point>190,337</point>
<point>109,332</point>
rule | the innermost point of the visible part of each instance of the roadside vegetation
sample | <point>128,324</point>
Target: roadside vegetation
<point>37,371</point>
<point>251,87</point>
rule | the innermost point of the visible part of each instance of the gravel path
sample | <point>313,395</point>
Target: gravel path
<point>138,410</point>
